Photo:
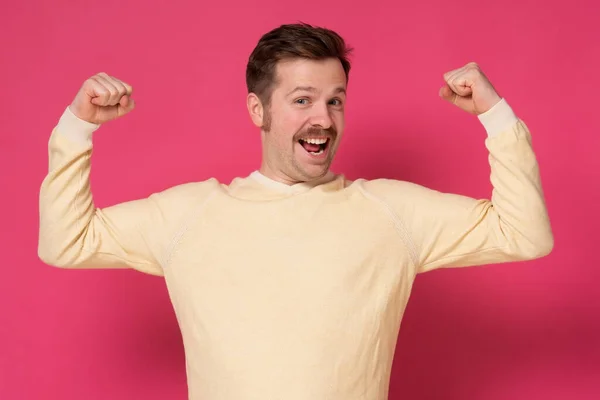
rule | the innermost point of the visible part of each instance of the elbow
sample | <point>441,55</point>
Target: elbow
<point>53,255</point>
<point>544,248</point>
<point>49,257</point>
<point>529,240</point>
<point>58,248</point>
<point>64,253</point>
<point>538,246</point>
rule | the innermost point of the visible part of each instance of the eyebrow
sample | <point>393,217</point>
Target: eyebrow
<point>312,89</point>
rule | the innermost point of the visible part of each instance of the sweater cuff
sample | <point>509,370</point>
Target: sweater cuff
<point>75,128</point>
<point>498,119</point>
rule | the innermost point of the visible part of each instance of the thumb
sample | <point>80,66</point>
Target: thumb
<point>452,97</point>
<point>126,105</point>
<point>447,94</point>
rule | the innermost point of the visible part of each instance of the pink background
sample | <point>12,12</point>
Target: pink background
<point>516,331</point>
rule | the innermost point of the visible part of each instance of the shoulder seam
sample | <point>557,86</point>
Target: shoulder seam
<point>179,233</point>
<point>398,224</point>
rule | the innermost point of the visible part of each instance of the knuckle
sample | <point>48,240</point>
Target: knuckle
<point>122,89</point>
<point>89,82</point>
<point>128,88</point>
<point>100,88</point>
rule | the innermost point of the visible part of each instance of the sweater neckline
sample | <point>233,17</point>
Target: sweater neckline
<point>294,188</point>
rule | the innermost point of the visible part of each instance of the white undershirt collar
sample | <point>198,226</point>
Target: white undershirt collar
<point>296,187</point>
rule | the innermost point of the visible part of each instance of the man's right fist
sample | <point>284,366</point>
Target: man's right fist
<point>102,98</point>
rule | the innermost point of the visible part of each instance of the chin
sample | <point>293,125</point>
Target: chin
<point>313,172</point>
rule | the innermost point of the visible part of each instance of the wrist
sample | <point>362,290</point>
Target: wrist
<point>75,128</point>
<point>498,118</point>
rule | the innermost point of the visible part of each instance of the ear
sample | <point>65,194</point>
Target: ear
<point>255,109</point>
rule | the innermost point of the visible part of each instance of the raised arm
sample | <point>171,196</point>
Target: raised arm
<point>451,230</point>
<point>73,232</point>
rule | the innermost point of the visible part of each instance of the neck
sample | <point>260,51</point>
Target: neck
<point>281,177</point>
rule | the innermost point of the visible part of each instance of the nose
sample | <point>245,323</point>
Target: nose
<point>320,116</point>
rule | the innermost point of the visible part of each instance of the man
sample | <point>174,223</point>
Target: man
<point>291,282</point>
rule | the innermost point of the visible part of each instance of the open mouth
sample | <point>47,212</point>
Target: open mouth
<point>315,146</point>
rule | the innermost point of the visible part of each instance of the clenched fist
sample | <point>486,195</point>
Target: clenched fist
<point>102,98</point>
<point>469,89</point>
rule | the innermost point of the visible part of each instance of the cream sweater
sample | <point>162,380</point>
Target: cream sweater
<point>293,292</point>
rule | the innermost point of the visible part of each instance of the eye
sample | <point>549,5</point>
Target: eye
<point>336,102</point>
<point>302,101</point>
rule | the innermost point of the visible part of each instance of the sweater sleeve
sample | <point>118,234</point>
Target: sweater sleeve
<point>452,230</point>
<point>74,233</point>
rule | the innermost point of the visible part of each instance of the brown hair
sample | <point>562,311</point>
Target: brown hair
<point>291,41</point>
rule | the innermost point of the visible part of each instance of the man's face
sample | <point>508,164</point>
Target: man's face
<point>303,125</point>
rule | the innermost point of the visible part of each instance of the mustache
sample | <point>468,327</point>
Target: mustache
<point>316,132</point>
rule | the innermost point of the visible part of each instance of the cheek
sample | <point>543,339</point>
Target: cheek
<point>287,124</point>
<point>339,120</point>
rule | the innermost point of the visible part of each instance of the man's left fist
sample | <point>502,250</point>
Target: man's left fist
<point>469,89</point>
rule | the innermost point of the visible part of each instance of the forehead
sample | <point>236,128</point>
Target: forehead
<point>322,75</point>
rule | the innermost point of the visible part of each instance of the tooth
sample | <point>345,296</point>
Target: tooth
<point>315,141</point>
